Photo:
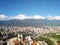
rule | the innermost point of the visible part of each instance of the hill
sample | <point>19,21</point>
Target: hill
<point>30,22</point>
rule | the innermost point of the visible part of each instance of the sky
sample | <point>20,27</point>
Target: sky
<point>27,9</point>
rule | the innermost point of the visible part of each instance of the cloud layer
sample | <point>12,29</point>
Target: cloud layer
<point>22,17</point>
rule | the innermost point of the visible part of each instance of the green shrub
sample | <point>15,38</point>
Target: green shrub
<point>45,39</point>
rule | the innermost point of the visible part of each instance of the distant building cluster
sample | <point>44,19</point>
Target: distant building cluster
<point>36,31</point>
<point>14,35</point>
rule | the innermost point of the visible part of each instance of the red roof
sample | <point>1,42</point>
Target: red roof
<point>16,41</point>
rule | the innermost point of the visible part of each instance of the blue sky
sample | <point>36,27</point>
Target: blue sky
<point>30,7</point>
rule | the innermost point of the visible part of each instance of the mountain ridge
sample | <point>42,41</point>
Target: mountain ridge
<point>30,22</point>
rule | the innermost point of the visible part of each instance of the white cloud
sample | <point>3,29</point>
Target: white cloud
<point>53,17</point>
<point>22,17</point>
<point>38,17</point>
<point>2,17</point>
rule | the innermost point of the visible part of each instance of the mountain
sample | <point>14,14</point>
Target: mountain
<point>30,22</point>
